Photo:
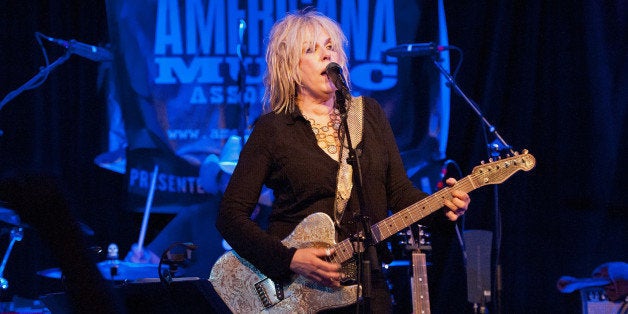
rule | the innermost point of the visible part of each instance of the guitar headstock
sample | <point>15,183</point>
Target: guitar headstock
<point>495,172</point>
<point>422,238</point>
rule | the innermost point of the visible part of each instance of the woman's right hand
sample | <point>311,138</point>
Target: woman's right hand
<point>309,263</point>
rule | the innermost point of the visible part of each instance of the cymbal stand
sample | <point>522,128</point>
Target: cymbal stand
<point>17,233</point>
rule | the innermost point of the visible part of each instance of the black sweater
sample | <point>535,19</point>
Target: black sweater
<point>282,153</point>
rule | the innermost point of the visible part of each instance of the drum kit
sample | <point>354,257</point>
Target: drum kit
<point>111,269</point>
<point>114,270</point>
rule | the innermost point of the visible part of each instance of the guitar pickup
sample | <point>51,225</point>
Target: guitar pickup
<point>269,292</point>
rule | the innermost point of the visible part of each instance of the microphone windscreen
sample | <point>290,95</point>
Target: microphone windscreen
<point>333,67</point>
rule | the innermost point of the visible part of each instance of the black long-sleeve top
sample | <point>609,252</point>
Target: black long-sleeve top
<point>282,153</point>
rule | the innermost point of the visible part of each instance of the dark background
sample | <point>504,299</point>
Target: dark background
<point>551,76</point>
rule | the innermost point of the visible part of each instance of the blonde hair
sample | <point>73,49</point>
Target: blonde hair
<point>284,52</point>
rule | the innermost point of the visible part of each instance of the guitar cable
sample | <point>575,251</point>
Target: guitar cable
<point>444,176</point>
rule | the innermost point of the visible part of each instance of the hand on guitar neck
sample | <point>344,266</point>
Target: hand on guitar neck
<point>459,203</point>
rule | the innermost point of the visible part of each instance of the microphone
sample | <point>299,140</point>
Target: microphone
<point>334,72</point>
<point>414,50</point>
<point>90,52</point>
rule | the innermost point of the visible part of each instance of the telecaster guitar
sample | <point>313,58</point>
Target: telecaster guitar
<point>244,289</point>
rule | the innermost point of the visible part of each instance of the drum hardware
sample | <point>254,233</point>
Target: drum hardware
<point>17,233</point>
<point>174,260</point>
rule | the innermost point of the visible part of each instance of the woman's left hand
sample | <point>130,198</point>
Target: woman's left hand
<point>458,204</point>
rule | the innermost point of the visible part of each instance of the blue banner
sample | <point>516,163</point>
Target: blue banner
<point>187,76</point>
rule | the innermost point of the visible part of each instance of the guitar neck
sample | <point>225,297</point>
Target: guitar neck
<point>417,211</point>
<point>494,172</point>
<point>420,293</point>
<point>403,219</point>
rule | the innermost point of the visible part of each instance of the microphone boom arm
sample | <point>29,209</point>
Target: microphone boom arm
<point>500,143</point>
<point>34,82</point>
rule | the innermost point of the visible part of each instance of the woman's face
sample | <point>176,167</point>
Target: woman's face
<point>315,56</point>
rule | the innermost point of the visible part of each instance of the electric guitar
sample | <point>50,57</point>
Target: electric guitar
<point>244,289</point>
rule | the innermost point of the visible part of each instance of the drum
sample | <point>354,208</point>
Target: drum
<point>115,270</point>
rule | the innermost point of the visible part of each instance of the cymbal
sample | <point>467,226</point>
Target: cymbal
<point>54,273</point>
<point>9,216</point>
<point>121,270</point>
<point>112,160</point>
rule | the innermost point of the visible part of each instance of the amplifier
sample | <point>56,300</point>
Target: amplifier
<point>594,301</point>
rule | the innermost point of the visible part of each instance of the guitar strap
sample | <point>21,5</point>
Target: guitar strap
<point>355,115</point>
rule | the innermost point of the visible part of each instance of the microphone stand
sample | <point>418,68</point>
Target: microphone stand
<point>495,147</point>
<point>362,242</point>
<point>43,74</point>
<point>243,126</point>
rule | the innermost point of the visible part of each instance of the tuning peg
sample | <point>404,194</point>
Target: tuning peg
<point>524,151</point>
<point>482,162</point>
<point>425,235</point>
<point>490,159</point>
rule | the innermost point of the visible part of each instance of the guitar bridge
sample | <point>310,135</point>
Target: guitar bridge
<point>269,292</point>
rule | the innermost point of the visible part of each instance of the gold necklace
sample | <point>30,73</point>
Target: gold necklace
<point>327,135</point>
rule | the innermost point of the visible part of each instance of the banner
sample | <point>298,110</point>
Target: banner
<point>187,76</point>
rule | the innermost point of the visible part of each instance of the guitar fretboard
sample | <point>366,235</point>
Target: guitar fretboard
<point>403,219</point>
<point>417,211</point>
